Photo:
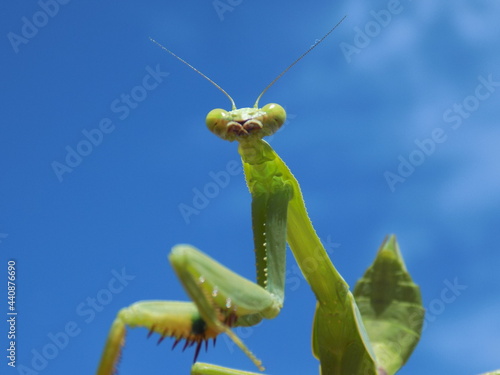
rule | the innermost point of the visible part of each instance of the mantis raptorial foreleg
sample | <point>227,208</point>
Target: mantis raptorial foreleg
<point>222,299</point>
<point>177,319</point>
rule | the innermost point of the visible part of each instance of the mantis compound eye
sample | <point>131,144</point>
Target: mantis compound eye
<point>216,121</point>
<point>274,119</point>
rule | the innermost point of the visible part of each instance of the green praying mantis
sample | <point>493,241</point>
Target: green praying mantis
<point>371,331</point>
<point>222,299</point>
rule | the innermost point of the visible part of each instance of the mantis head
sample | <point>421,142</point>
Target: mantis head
<point>241,124</point>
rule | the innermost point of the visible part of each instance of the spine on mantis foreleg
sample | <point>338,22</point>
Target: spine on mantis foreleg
<point>180,320</point>
<point>113,347</point>
<point>262,163</point>
<point>269,217</point>
<point>216,310</point>
<point>216,289</point>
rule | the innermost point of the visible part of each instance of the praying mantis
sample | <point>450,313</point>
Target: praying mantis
<point>369,332</point>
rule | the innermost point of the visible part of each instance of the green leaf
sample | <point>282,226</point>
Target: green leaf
<point>391,307</point>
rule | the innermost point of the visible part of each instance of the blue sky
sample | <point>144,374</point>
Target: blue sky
<point>393,128</point>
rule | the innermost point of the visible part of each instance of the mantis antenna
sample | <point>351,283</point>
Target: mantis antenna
<point>196,70</point>
<point>297,60</point>
<point>268,86</point>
